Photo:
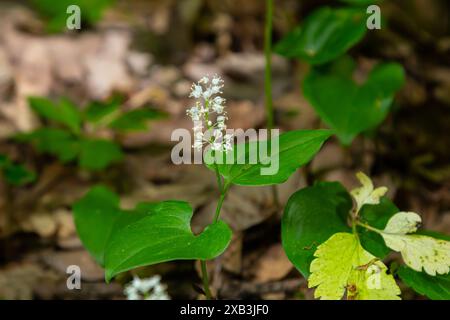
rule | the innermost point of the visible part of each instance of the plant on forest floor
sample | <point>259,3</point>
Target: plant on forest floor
<point>72,133</point>
<point>343,259</point>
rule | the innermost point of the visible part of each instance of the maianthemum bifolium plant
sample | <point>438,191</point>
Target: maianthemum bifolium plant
<point>72,134</point>
<point>336,239</point>
<point>337,245</point>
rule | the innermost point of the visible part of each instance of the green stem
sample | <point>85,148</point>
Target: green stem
<point>205,280</point>
<point>268,69</point>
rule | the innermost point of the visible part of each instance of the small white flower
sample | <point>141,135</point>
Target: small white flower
<point>146,289</point>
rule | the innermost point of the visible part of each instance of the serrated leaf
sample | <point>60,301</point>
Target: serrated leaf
<point>418,251</point>
<point>349,108</point>
<point>136,120</point>
<point>295,149</point>
<point>343,266</point>
<point>311,216</point>
<point>97,154</point>
<point>151,233</point>
<point>434,287</point>
<point>63,112</point>
<point>326,34</point>
<point>366,194</point>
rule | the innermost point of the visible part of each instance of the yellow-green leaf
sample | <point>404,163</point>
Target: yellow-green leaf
<point>342,266</point>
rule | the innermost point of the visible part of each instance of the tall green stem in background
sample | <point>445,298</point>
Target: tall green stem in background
<point>268,79</point>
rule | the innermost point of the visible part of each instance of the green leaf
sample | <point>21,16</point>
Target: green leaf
<point>295,149</point>
<point>161,232</point>
<point>343,266</point>
<point>311,216</point>
<point>56,11</point>
<point>98,111</point>
<point>95,215</point>
<point>361,2</point>
<point>15,174</point>
<point>18,175</point>
<point>97,154</point>
<point>54,141</point>
<point>349,108</point>
<point>366,194</point>
<point>325,35</point>
<point>64,112</point>
<point>436,288</point>
<point>152,233</point>
<point>136,120</point>
<point>376,216</point>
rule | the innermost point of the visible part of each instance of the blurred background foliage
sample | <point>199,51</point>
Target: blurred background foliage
<point>147,52</point>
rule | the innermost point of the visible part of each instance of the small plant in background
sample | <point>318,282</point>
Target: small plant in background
<point>15,174</point>
<point>55,12</point>
<point>345,259</point>
<point>322,41</point>
<point>146,289</point>
<point>72,133</point>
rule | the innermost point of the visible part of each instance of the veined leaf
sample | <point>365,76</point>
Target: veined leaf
<point>295,148</point>
<point>325,35</point>
<point>97,154</point>
<point>343,266</point>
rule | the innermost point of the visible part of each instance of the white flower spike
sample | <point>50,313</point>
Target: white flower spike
<point>209,104</point>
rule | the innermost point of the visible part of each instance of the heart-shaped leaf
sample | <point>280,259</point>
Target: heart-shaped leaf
<point>311,216</point>
<point>434,287</point>
<point>349,108</point>
<point>325,35</point>
<point>295,148</point>
<point>151,233</point>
